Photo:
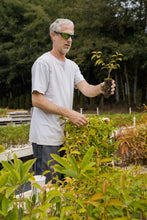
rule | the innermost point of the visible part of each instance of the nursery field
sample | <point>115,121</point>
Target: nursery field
<point>96,185</point>
<point>19,135</point>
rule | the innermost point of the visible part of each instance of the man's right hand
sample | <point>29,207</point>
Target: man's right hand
<point>77,118</point>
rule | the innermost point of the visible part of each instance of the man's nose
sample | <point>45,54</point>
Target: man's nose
<point>69,39</point>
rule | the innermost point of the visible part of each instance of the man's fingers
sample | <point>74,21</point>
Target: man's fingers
<point>113,87</point>
<point>81,122</point>
<point>78,119</point>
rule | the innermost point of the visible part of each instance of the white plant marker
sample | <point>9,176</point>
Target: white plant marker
<point>97,111</point>
<point>134,121</point>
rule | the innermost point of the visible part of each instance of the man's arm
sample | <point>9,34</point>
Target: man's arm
<point>39,101</point>
<point>93,90</point>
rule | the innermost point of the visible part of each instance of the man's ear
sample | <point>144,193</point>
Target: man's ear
<point>53,35</point>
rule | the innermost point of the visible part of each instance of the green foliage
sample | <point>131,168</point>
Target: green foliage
<point>125,120</point>
<point>28,101</point>
<point>10,135</point>
<point>4,102</point>
<point>3,112</point>
<point>96,133</point>
<point>70,167</point>
<point>21,102</point>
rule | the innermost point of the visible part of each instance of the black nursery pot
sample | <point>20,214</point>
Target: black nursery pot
<point>108,83</point>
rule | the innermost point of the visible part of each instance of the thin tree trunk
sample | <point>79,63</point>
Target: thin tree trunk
<point>117,90</point>
<point>101,105</point>
<point>135,87</point>
<point>127,83</point>
<point>146,94</point>
<point>122,87</point>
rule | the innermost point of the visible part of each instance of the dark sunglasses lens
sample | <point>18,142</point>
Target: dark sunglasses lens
<point>72,37</point>
<point>66,36</point>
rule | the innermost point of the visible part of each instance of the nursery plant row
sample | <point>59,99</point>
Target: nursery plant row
<point>92,188</point>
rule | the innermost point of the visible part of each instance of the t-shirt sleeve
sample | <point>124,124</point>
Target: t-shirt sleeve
<point>78,76</point>
<point>40,77</point>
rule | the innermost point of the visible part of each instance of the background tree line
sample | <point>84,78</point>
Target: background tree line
<point>108,26</point>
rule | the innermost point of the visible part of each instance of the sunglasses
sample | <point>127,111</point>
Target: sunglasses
<point>65,35</point>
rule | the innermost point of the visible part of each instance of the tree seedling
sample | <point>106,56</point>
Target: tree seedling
<point>111,65</point>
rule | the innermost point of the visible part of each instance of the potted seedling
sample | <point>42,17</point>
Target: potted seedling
<point>111,65</point>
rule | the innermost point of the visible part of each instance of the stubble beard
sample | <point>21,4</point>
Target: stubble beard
<point>65,51</point>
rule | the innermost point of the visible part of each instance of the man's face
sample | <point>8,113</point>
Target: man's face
<point>61,44</point>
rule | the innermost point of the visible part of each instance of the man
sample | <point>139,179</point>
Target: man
<point>53,80</point>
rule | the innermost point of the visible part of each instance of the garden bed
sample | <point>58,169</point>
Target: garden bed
<point>20,150</point>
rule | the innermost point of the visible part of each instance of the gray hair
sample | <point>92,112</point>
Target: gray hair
<point>56,25</point>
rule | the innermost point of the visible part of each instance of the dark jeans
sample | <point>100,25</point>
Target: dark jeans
<point>43,155</point>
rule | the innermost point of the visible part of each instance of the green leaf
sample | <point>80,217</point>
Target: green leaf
<point>2,213</point>
<point>7,166</point>
<point>45,172</point>
<point>2,189</point>
<point>71,173</point>
<point>15,158</point>
<point>60,160</point>
<point>2,149</point>
<point>26,178</point>
<point>113,191</point>
<point>122,218</point>
<point>20,213</point>
<point>105,160</point>
<point>10,190</point>
<point>53,218</point>
<point>115,202</point>
<point>18,165</point>
<point>4,179</point>
<point>88,167</point>
<point>73,163</point>
<point>141,204</point>
<point>59,169</point>
<point>70,195</point>
<point>5,206</point>
<point>36,185</point>
<point>28,205</point>
<point>64,210</point>
<point>90,176</point>
<point>96,196</point>
<point>75,152</point>
<point>93,56</point>
<point>15,175</point>
<point>26,166</point>
<point>87,158</point>
<point>52,194</point>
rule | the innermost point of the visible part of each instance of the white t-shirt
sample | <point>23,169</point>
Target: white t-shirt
<point>56,81</point>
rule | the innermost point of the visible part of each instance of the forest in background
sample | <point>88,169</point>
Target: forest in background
<point>100,25</point>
